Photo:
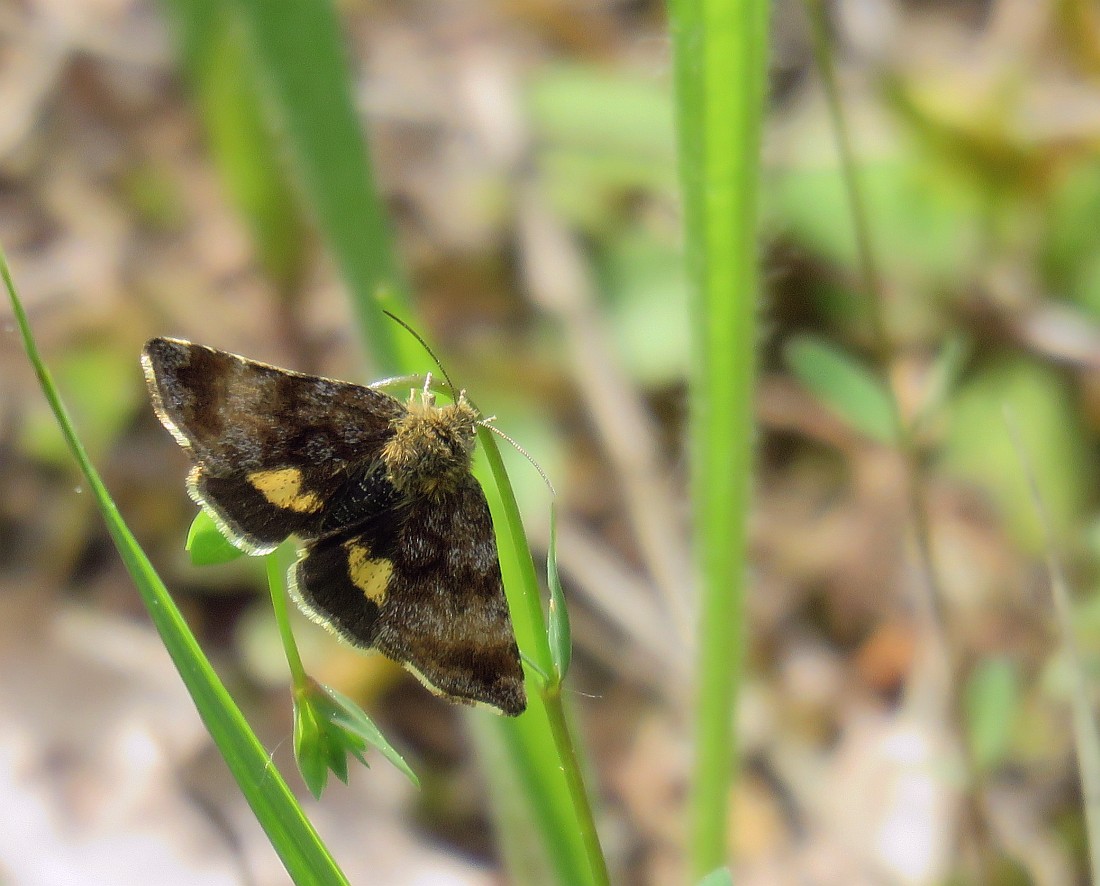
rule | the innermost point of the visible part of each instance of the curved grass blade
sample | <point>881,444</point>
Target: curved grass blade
<point>299,55</point>
<point>291,834</point>
<point>540,740</point>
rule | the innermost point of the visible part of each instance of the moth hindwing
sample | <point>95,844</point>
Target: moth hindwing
<point>399,553</point>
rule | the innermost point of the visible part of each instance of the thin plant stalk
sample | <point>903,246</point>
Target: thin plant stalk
<point>530,623</point>
<point>306,858</point>
<point>720,49</point>
<point>1084,722</point>
<point>563,741</point>
<point>871,280</point>
<point>276,566</point>
<point>943,661</point>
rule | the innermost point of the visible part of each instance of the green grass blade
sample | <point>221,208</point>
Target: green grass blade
<point>241,139</point>
<point>539,742</point>
<point>519,836</point>
<point>300,56</point>
<point>300,60</point>
<point>293,837</point>
<point>720,49</point>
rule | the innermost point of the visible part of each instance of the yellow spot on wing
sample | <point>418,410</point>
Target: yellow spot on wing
<point>372,577</point>
<point>283,488</point>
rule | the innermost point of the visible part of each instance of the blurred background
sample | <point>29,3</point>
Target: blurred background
<point>526,154</point>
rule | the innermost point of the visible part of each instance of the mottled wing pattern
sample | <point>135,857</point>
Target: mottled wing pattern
<point>272,449</point>
<point>423,587</point>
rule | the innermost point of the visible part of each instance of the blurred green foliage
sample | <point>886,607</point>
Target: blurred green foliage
<point>846,386</point>
<point>924,220</point>
<point>102,391</point>
<point>940,211</point>
<point>978,446</point>
<point>992,700</point>
<point>1070,258</point>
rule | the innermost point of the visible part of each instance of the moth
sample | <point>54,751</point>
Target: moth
<point>399,553</point>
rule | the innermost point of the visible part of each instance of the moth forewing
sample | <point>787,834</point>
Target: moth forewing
<point>399,553</point>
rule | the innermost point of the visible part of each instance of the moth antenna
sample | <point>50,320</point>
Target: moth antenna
<point>424,345</point>
<point>581,693</point>
<point>527,455</point>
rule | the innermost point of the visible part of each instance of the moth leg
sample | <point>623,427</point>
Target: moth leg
<point>398,380</point>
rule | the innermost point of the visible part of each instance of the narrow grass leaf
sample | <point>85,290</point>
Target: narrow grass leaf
<point>521,845</point>
<point>346,713</point>
<point>301,59</point>
<point>559,635</point>
<point>549,774</point>
<point>290,832</point>
<point>242,140</point>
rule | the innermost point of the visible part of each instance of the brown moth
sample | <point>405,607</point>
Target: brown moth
<point>399,551</point>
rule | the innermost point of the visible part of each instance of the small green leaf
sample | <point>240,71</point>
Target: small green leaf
<point>558,633</point>
<point>310,746</point>
<point>206,544</point>
<point>718,877</point>
<point>992,698</point>
<point>349,715</point>
<point>846,386</point>
<point>328,727</point>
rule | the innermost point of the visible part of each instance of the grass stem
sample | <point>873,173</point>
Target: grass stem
<point>276,565</point>
<point>720,49</point>
<point>1086,734</point>
<point>563,741</point>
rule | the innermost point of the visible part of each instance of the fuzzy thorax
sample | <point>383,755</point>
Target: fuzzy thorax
<point>432,446</point>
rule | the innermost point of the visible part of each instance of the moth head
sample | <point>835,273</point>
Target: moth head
<point>432,446</point>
